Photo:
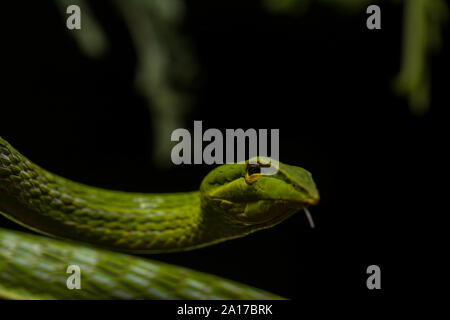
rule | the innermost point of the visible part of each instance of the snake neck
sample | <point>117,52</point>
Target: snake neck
<point>55,206</point>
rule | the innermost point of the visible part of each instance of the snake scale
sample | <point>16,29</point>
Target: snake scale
<point>91,223</point>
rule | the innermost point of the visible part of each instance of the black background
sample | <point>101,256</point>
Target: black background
<point>323,79</point>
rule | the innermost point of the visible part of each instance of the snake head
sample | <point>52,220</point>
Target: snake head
<point>240,193</point>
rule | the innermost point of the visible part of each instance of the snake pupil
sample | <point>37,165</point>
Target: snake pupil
<point>253,170</point>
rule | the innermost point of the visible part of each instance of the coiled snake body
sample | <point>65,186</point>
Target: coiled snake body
<point>234,200</point>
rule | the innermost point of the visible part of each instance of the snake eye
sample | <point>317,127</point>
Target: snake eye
<point>252,173</point>
<point>255,169</point>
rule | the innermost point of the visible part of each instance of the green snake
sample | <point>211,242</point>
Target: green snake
<point>233,200</point>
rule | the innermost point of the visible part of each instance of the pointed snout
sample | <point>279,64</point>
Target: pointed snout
<point>302,182</point>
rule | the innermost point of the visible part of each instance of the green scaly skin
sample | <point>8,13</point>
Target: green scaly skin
<point>33,267</point>
<point>232,202</point>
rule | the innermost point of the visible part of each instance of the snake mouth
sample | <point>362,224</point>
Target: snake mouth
<point>273,221</point>
<point>280,218</point>
<point>299,204</point>
<point>268,212</point>
<point>286,208</point>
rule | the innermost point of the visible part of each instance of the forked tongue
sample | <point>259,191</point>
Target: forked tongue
<point>309,217</point>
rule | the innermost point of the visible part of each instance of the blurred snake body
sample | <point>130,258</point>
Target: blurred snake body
<point>233,201</point>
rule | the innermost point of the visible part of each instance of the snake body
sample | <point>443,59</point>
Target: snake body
<point>233,201</point>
